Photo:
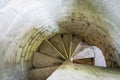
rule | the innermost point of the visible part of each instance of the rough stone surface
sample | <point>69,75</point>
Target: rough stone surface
<point>70,71</point>
<point>96,21</point>
<point>67,39</point>
<point>75,42</point>
<point>57,42</point>
<point>42,73</point>
<point>49,50</point>
<point>42,61</point>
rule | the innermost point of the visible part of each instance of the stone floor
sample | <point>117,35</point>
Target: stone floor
<point>70,71</point>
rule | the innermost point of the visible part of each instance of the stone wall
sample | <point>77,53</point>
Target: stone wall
<point>24,25</point>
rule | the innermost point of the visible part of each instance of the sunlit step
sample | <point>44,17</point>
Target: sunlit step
<point>79,48</point>
<point>89,52</point>
<point>86,53</point>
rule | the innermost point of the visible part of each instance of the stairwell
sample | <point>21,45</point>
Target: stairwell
<point>59,40</point>
<point>56,50</point>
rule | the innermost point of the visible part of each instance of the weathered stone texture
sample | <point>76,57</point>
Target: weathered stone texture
<point>25,24</point>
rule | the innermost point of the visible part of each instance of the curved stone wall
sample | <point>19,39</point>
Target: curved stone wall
<point>24,25</point>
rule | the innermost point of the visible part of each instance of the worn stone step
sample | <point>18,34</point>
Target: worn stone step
<point>42,73</point>
<point>88,61</point>
<point>47,49</point>
<point>86,53</point>
<point>79,48</point>
<point>90,52</point>
<point>57,42</point>
<point>67,37</point>
<point>70,71</point>
<point>75,41</point>
<point>41,60</point>
<point>57,50</point>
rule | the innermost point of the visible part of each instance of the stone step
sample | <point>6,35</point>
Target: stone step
<point>41,60</point>
<point>89,52</point>
<point>57,42</point>
<point>47,49</point>
<point>86,53</point>
<point>75,41</point>
<point>42,73</point>
<point>80,48</point>
<point>57,50</point>
<point>67,37</point>
<point>88,61</point>
<point>70,71</point>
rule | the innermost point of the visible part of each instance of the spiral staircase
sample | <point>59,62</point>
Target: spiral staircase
<point>53,52</point>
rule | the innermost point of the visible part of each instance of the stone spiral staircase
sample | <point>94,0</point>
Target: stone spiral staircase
<point>57,49</point>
